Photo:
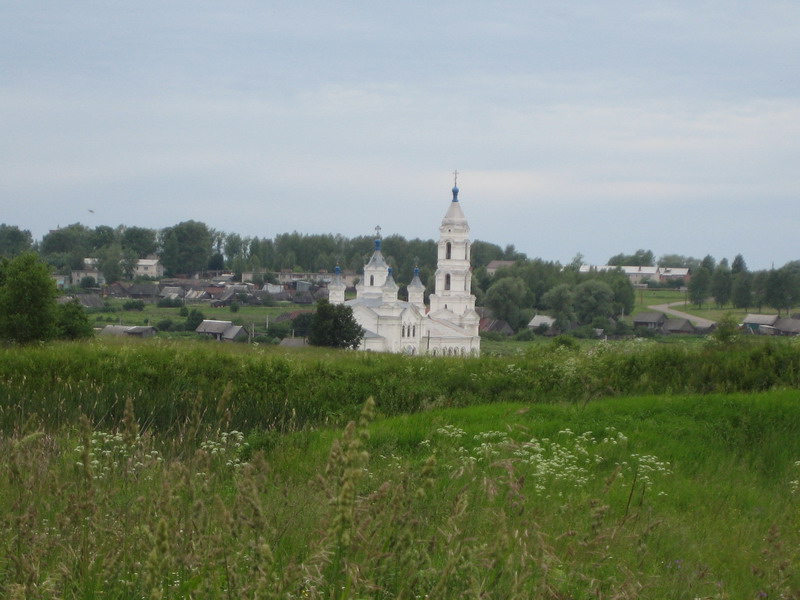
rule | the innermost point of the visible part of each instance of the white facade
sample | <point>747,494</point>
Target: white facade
<point>448,328</point>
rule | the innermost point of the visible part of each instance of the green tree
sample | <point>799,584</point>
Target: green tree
<point>27,300</point>
<point>700,286</point>
<point>742,290</point>
<point>110,263</point>
<point>561,301</point>
<point>506,298</point>
<point>186,247</point>
<point>335,326</point>
<point>193,319</point>
<point>640,258</point>
<point>593,299</point>
<point>14,241</point>
<point>139,240</point>
<point>738,265</point>
<point>72,322</point>
<point>721,284</point>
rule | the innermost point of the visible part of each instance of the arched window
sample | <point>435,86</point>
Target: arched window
<point>447,281</point>
<point>448,250</point>
<point>372,279</point>
<point>414,331</point>
<point>404,331</point>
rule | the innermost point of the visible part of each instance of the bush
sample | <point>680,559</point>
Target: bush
<point>183,312</point>
<point>526,335</point>
<point>133,305</point>
<point>170,303</point>
<point>164,324</point>
<point>566,341</point>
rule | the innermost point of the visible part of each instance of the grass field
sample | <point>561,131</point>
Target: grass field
<point>642,497</point>
<point>258,316</point>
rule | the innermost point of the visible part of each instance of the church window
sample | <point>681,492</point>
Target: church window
<point>372,279</point>
<point>448,250</point>
<point>414,331</point>
<point>447,281</point>
<point>404,331</point>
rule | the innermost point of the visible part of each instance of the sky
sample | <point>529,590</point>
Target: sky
<point>576,127</point>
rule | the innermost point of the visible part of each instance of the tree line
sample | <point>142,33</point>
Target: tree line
<point>514,293</point>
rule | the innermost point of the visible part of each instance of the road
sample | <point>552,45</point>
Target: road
<point>696,321</point>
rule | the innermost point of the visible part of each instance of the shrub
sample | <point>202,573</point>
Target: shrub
<point>133,305</point>
<point>170,303</point>
<point>164,324</point>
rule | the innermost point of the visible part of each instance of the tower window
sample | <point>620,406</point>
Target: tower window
<point>372,279</point>
<point>447,281</point>
<point>448,250</point>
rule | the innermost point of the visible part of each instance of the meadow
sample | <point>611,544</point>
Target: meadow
<point>632,470</point>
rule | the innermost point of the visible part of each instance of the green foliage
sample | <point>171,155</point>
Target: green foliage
<point>727,330</point>
<point>335,327</point>
<point>561,301</point>
<point>27,300</point>
<point>14,241</point>
<point>133,305</point>
<point>593,299</point>
<point>506,297</point>
<point>171,303</point>
<point>650,498</point>
<point>700,286</point>
<point>186,247</point>
<point>88,282</point>
<point>193,319</point>
<point>640,258</point>
<point>72,322</point>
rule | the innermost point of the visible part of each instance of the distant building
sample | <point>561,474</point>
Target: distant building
<point>448,327</point>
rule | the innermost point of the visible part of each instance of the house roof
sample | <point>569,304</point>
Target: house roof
<point>760,319</point>
<point>649,317</point>
<point>495,325</point>
<point>678,325</point>
<point>539,320</point>
<point>788,325</point>
<point>211,326</point>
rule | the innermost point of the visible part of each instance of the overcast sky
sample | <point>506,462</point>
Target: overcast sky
<point>576,126</point>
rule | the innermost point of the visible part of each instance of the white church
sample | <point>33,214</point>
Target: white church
<point>448,327</point>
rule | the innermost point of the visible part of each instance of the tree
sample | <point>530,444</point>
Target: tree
<point>640,258</point>
<point>335,327</point>
<point>506,297</point>
<point>738,265</point>
<point>700,286</point>
<point>742,290</point>
<point>87,282</point>
<point>14,241</point>
<point>593,299</point>
<point>193,319</point>
<point>186,247</point>
<point>27,300</point>
<point>72,322</point>
<point>140,241</point>
<point>721,284</point>
<point>110,263</point>
<point>709,263</point>
<point>561,301</point>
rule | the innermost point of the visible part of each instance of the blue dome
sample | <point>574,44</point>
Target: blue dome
<point>455,193</point>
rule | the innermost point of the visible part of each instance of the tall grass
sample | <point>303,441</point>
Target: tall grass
<point>683,497</point>
<point>266,388</point>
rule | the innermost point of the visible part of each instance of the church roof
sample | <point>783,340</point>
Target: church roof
<point>415,282</point>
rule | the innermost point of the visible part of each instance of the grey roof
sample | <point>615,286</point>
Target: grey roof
<point>232,332</point>
<point>649,317</point>
<point>678,325</point>
<point>760,319</point>
<point>539,320</point>
<point>788,325</point>
<point>210,326</point>
<point>128,330</point>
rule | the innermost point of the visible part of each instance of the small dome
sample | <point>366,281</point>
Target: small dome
<point>455,193</point>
